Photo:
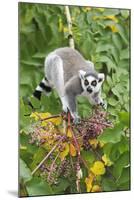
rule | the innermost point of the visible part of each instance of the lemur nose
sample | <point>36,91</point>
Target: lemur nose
<point>89,90</point>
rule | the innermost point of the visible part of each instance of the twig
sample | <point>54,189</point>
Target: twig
<point>69,22</point>
<point>91,121</point>
<point>84,162</point>
<point>51,117</point>
<point>74,138</point>
<point>38,166</point>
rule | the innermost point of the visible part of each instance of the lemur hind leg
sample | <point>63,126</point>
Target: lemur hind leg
<point>54,73</point>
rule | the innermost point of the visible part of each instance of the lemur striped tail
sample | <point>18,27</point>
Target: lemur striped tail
<point>42,87</point>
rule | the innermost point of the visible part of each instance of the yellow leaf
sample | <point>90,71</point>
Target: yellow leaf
<point>35,116</point>
<point>44,115</point>
<point>86,9</point>
<point>112,17</point>
<point>96,188</point>
<point>97,17</point>
<point>101,144</point>
<point>65,152</point>
<point>65,29</point>
<point>69,133</point>
<point>60,25</point>
<point>41,116</point>
<point>113,28</point>
<point>89,181</point>
<point>101,9</point>
<point>23,147</point>
<point>93,143</point>
<point>56,121</point>
<point>106,160</point>
<point>72,150</point>
<point>98,168</point>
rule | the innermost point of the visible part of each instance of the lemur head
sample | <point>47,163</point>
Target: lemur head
<point>91,82</point>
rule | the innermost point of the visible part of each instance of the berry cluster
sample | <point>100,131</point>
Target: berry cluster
<point>44,135</point>
<point>92,127</point>
<point>56,141</point>
<point>49,175</point>
<point>65,168</point>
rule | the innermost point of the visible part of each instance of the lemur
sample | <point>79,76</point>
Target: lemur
<point>71,75</point>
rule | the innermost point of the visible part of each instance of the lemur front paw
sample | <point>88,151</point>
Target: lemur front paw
<point>103,104</point>
<point>77,120</point>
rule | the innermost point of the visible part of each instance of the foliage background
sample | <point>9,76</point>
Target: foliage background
<point>102,35</point>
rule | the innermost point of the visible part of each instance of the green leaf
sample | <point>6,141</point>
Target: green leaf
<point>30,148</point>
<point>39,55</point>
<point>125,13</point>
<point>111,135</point>
<point>124,54</point>
<point>122,162</point>
<point>124,64</point>
<point>115,53</point>
<point>36,186</point>
<point>109,81</point>
<point>112,102</point>
<point>115,153</point>
<point>84,109</point>
<point>25,90</point>
<point>108,184</point>
<point>124,178</point>
<point>88,156</point>
<point>24,110</point>
<point>116,92</point>
<point>117,40</point>
<point>38,156</point>
<point>122,32</point>
<point>108,61</point>
<point>107,148</point>
<point>82,100</point>
<point>35,102</point>
<point>32,63</point>
<point>124,118</point>
<point>61,186</point>
<point>111,11</point>
<point>25,173</point>
<point>51,103</point>
<point>103,47</point>
<point>124,145</point>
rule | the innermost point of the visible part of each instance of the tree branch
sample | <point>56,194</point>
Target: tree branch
<point>38,166</point>
<point>69,22</point>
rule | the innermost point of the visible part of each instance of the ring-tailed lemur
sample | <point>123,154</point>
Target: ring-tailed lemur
<point>71,75</point>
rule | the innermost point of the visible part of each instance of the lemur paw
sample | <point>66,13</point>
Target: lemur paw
<point>103,104</point>
<point>77,120</point>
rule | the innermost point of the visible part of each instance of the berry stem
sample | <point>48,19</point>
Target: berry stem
<point>51,167</point>
<point>74,138</point>
<point>45,158</point>
<point>101,123</point>
<point>51,117</point>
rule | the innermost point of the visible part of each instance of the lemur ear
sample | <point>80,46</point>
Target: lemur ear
<point>82,74</point>
<point>101,77</point>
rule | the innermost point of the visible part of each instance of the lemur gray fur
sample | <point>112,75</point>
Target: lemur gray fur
<point>71,75</point>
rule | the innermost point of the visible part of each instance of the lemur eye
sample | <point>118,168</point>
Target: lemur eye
<point>100,79</point>
<point>94,83</point>
<point>86,82</point>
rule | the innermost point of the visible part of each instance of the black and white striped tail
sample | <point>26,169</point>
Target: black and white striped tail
<point>42,87</point>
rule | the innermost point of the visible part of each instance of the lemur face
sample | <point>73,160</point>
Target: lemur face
<point>91,84</point>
